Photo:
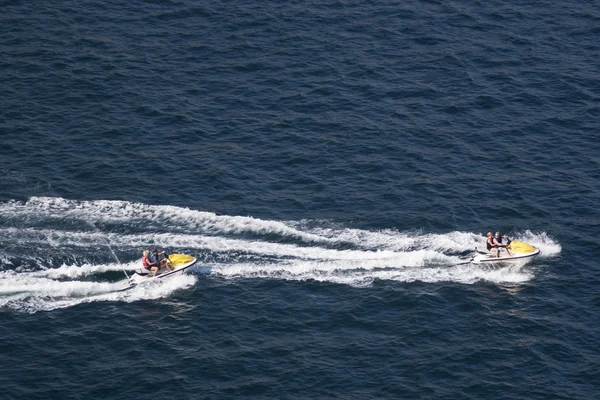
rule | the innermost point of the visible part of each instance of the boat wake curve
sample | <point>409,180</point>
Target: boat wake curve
<point>52,257</point>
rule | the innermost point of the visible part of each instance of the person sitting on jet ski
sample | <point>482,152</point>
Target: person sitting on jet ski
<point>161,260</point>
<point>149,265</point>
<point>492,244</point>
<point>498,240</point>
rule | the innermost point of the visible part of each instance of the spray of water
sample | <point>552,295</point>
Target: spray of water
<point>34,278</point>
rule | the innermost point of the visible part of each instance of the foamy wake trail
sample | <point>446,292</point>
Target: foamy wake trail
<point>362,273</point>
<point>127,212</point>
<point>185,220</point>
<point>56,239</point>
<point>31,294</point>
<point>76,271</point>
<point>57,247</point>
<point>393,240</point>
<point>427,264</point>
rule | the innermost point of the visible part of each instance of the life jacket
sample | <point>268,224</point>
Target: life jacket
<point>146,262</point>
<point>488,244</point>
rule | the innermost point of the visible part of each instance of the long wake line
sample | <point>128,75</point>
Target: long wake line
<point>51,258</point>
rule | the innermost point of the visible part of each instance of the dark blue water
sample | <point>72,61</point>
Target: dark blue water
<point>328,163</point>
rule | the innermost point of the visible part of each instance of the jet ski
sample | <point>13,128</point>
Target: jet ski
<point>178,262</point>
<point>518,251</point>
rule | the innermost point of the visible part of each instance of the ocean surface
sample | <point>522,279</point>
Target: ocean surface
<point>331,165</point>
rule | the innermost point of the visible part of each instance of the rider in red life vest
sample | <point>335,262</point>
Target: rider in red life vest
<point>154,267</point>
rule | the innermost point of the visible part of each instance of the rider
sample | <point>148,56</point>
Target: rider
<point>148,264</point>
<point>161,260</point>
<point>498,240</point>
<point>492,244</point>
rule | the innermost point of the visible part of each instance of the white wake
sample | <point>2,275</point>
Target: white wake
<point>56,253</point>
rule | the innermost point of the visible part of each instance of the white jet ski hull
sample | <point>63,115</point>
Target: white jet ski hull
<point>487,257</point>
